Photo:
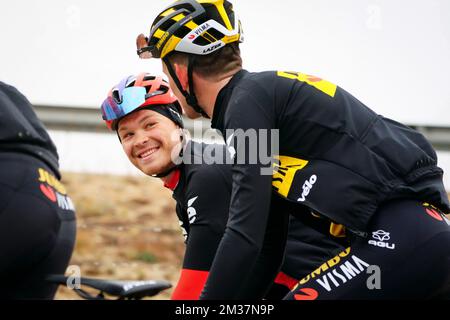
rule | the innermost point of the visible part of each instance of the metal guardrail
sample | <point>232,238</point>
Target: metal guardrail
<point>89,120</point>
<point>71,118</point>
<point>438,136</point>
<point>84,119</point>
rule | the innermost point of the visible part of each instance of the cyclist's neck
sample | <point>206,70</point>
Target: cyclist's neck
<point>207,90</point>
<point>171,180</point>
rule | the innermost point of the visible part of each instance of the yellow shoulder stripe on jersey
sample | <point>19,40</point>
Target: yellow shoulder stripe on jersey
<point>284,173</point>
<point>323,85</point>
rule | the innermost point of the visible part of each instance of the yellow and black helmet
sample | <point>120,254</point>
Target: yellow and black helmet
<point>196,27</point>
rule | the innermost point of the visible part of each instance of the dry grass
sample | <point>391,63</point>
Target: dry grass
<point>127,229</point>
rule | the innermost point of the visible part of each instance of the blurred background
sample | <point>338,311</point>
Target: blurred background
<point>65,56</point>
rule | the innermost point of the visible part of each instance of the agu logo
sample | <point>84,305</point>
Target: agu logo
<point>380,237</point>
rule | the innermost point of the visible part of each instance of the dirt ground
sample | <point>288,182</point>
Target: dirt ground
<point>127,229</point>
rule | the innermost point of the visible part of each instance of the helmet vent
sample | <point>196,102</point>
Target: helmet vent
<point>182,31</point>
<point>163,89</point>
<point>201,41</point>
<point>184,7</point>
<point>116,96</point>
<point>146,78</point>
<point>215,33</point>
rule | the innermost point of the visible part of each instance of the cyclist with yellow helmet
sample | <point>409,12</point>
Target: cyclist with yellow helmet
<point>147,119</point>
<point>375,177</point>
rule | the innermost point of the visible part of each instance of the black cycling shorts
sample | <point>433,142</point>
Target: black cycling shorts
<point>406,255</point>
<point>37,227</point>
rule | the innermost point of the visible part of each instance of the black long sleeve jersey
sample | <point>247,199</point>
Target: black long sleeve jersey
<point>337,157</point>
<point>20,129</point>
<point>202,192</point>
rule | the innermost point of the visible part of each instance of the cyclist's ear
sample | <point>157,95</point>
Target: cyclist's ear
<point>182,74</point>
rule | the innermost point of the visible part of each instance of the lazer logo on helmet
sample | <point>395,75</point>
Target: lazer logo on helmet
<point>307,186</point>
<point>212,48</point>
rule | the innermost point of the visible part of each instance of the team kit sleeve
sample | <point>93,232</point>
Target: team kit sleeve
<point>270,258</point>
<point>244,236</point>
<point>207,210</point>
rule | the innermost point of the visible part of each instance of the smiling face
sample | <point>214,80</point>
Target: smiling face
<point>149,140</point>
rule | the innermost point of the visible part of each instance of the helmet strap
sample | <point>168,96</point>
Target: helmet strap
<point>191,99</point>
<point>165,173</point>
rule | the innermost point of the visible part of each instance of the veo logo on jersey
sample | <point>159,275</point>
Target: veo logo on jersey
<point>307,186</point>
<point>381,236</point>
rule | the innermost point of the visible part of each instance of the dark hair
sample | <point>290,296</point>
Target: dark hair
<point>226,60</point>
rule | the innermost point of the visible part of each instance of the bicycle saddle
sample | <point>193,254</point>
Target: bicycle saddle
<point>123,289</point>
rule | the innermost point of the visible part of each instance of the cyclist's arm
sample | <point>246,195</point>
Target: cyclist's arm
<point>249,206</point>
<point>271,257</point>
<point>208,217</point>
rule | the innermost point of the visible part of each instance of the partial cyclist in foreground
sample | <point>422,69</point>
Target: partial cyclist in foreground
<point>374,177</point>
<point>37,216</point>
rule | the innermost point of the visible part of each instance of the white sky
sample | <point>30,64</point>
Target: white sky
<point>394,55</point>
